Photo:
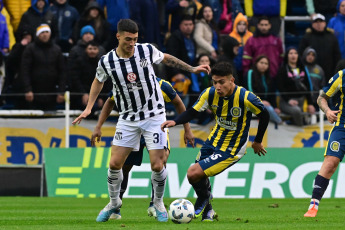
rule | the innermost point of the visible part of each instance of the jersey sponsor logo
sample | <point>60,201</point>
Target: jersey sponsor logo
<point>335,146</point>
<point>143,63</point>
<point>133,86</point>
<point>230,125</point>
<point>131,77</point>
<point>235,111</point>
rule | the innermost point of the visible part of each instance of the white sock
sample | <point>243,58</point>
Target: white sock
<point>158,182</point>
<point>115,178</point>
<point>314,203</point>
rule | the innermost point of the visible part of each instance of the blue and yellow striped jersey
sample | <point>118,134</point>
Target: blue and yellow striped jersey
<point>232,115</point>
<point>168,91</point>
<point>334,88</point>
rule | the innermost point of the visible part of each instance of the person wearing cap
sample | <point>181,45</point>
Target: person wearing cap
<point>337,23</point>
<point>87,34</point>
<point>37,14</point>
<point>325,43</point>
<point>43,73</point>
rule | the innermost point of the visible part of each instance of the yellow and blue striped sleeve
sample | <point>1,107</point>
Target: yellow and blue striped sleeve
<point>168,91</point>
<point>254,103</point>
<point>334,84</point>
<point>202,103</point>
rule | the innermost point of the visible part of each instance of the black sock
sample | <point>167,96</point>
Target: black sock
<point>124,185</point>
<point>202,188</point>
<point>153,195</point>
<point>320,187</point>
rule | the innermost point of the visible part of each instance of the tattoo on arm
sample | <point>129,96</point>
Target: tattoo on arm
<point>172,61</point>
<point>322,102</point>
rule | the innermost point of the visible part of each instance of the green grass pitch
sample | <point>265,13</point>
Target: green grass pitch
<point>72,213</point>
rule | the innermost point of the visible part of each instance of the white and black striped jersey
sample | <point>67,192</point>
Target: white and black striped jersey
<point>136,91</point>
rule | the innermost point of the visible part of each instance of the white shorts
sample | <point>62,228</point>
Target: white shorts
<point>128,133</point>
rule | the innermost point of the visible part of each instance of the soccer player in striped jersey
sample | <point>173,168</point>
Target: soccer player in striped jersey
<point>135,157</point>
<point>141,109</point>
<point>335,150</point>
<point>232,106</point>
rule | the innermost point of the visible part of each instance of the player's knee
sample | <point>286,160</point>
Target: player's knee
<point>192,176</point>
<point>156,166</point>
<point>115,166</point>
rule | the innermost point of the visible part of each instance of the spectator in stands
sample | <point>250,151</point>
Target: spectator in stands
<point>82,74</point>
<point>200,81</point>
<point>67,16</point>
<point>94,16</point>
<point>337,23</point>
<point>4,36</point>
<point>263,43</point>
<point>294,86</point>
<point>43,71</point>
<point>229,48</point>
<point>259,82</point>
<point>87,34</point>
<point>273,9</point>
<point>316,73</point>
<point>230,9</point>
<point>176,9</point>
<point>145,14</point>
<point>36,15</point>
<point>16,9</point>
<point>116,10</point>
<point>13,83</point>
<point>206,33</point>
<point>325,44</point>
<point>328,8</point>
<point>241,33</point>
<point>181,44</point>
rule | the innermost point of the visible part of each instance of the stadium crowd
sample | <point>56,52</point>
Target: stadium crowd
<point>50,46</point>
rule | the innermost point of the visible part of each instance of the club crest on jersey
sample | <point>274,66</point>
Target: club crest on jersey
<point>335,146</point>
<point>143,63</point>
<point>131,77</point>
<point>235,111</point>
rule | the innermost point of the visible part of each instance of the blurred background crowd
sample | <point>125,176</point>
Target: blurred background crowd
<point>51,46</point>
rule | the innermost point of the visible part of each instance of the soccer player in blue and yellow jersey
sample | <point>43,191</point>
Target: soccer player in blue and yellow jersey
<point>136,157</point>
<point>232,106</point>
<point>335,150</point>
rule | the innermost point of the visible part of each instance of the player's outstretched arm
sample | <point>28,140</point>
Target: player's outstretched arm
<point>167,124</point>
<point>180,108</point>
<point>330,114</point>
<point>174,62</point>
<point>96,88</point>
<point>106,110</point>
<point>257,145</point>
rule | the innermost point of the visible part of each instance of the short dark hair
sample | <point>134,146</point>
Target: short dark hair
<point>264,18</point>
<point>127,25</point>
<point>187,17</point>
<point>222,69</point>
<point>92,43</point>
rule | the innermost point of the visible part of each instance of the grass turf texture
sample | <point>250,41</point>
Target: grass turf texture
<point>72,213</point>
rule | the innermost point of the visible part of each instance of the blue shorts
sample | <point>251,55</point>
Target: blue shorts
<point>336,143</point>
<point>136,157</point>
<point>214,161</point>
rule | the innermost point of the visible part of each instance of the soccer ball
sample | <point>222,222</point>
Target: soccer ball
<point>181,211</point>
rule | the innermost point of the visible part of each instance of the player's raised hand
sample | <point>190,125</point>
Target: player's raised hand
<point>167,124</point>
<point>202,68</point>
<point>332,115</point>
<point>83,115</point>
<point>189,137</point>
<point>259,148</point>
<point>96,136</point>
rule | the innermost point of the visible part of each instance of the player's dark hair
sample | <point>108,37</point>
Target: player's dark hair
<point>222,69</point>
<point>127,25</point>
